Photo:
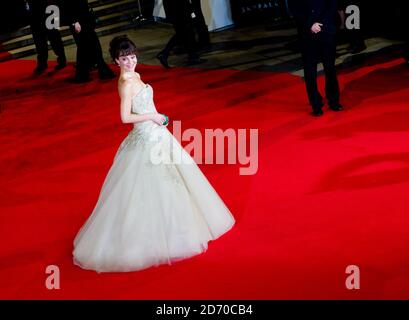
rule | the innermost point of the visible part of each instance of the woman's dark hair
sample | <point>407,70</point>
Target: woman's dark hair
<point>121,46</point>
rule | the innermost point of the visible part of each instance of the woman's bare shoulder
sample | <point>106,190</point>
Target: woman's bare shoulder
<point>125,79</point>
<point>125,87</point>
<point>129,84</point>
<point>130,77</point>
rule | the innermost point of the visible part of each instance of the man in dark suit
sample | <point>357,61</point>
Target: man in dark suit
<point>200,25</point>
<point>185,18</point>
<point>316,22</point>
<point>81,20</point>
<point>38,16</point>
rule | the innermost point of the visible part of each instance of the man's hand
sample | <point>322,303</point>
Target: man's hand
<point>316,27</point>
<point>77,27</point>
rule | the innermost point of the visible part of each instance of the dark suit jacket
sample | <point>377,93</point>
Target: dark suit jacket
<point>76,11</point>
<point>37,12</point>
<point>308,12</point>
<point>178,11</point>
<point>37,8</point>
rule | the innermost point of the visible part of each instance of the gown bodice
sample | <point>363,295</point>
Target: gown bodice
<point>146,132</point>
<point>142,102</point>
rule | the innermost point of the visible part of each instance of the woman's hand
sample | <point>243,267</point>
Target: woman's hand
<point>158,118</point>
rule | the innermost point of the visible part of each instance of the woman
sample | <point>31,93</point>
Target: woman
<point>155,206</point>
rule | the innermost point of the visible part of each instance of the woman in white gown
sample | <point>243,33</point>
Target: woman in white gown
<point>155,205</point>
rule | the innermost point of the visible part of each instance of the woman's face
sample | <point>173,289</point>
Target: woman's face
<point>127,63</point>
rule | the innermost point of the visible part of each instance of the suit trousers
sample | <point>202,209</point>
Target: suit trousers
<point>89,51</point>
<point>200,23</point>
<point>40,36</point>
<point>316,47</point>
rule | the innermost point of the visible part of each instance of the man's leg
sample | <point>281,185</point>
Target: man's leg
<point>200,24</point>
<point>310,60</point>
<point>185,31</point>
<point>40,41</point>
<point>82,66</point>
<point>164,54</point>
<point>95,55</point>
<point>328,52</point>
<point>54,37</point>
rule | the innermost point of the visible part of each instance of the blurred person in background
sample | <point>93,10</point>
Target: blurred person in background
<point>40,32</point>
<point>317,26</point>
<point>186,17</point>
<point>82,22</point>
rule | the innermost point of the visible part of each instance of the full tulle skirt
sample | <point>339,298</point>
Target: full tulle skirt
<point>155,207</point>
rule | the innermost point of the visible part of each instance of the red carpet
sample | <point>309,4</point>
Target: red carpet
<point>4,55</point>
<point>329,192</point>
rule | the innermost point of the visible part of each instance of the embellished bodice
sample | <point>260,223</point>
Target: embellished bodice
<point>146,132</point>
<point>142,102</point>
<point>153,142</point>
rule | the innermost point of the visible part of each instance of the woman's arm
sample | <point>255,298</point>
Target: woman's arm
<point>125,93</point>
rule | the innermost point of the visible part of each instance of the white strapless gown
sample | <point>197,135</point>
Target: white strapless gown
<point>150,213</point>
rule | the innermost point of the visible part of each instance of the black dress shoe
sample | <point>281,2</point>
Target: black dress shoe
<point>40,69</point>
<point>317,112</point>
<point>163,59</point>
<point>60,66</point>
<point>336,107</point>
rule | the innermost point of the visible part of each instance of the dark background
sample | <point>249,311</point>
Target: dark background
<point>384,19</point>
